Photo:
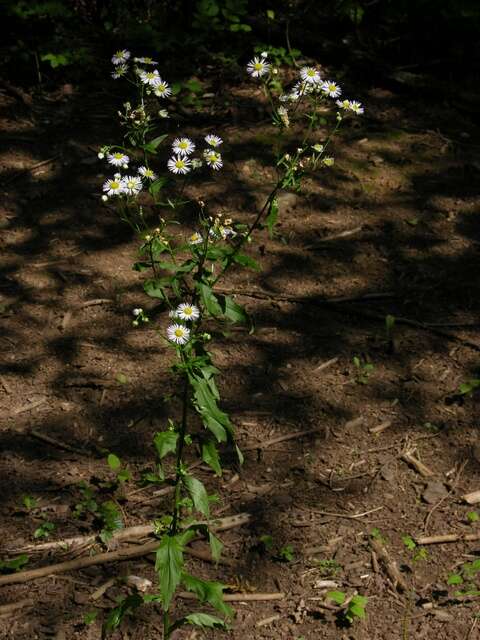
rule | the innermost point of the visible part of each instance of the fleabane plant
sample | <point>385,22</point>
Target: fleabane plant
<point>148,186</point>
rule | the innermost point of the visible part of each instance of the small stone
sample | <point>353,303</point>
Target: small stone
<point>434,492</point>
<point>287,202</point>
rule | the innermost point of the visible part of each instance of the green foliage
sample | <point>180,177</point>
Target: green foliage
<point>363,370</point>
<point>472,516</point>
<point>356,608</point>
<point>169,564</point>
<point>16,564</point>
<point>29,502</point>
<point>44,530</point>
<point>467,388</point>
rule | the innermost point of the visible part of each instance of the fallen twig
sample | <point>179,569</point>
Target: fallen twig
<point>54,442</point>
<point>390,565</point>
<point>7,609</point>
<point>269,620</point>
<point>347,516</point>
<point>239,597</point>
<point>381,427</point>
<point>422,469</point>
<point>277,439</point>
<point>324,365</point>
<point>129,533</point>
<point>33,167</point>
<point>29,406</point>
<point>337,236</point>
<point>447,537</point>
<point>472,498</point>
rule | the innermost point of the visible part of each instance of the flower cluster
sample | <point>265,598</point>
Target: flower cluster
<point>181,161</point>
<point>127,185</point>
<point>177,332</point>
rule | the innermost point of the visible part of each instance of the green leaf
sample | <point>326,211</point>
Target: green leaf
<point>213,417</point>
<point>121,378</point>
<point>337,596</point>
<point>157,185</point>
<point>272,217</point>
<point>270,14</point>
<point>472,516</point>
<point>198,494</point>
<point>29,502</point>
<point>455,578</point>
<point>356,607</point>
<point>210,456</point>
<point>209,299</point>
<point>286,553</point>
<point>205,620</point>
<point>246,261</point>
<point>114,461</point>
<point>233,311</point>
<point>469,387</point>
<point>15,564</point>
<point>126,606</point>
<point>44,530</point>
<point>90,617</point>
<point>169,564</point>
<point>409,542</point>
<point>165,442</point>
<point>151,147</point>
<point>211,592</point>
<point>240,457</point>
<point>216,546</point>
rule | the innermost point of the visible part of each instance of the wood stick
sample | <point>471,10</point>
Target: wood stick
<point>448,537</point>
<point>472,498</point>
<point>269,620</point>
<point>381,427</point>
<point>54,442</point>
<point>325,365</point>
<point>239,597</point>
<point>6,609</point>
<point>129,533</point>
<point>276,440</point>
<point>422,469</point>
<point>28,407</point>
<point>353,516</point>
<point>390,565</point>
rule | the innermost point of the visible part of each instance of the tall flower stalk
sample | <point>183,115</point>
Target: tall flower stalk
<point>182,270</point>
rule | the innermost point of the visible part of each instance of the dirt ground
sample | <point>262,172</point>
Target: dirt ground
<point>392,229</point>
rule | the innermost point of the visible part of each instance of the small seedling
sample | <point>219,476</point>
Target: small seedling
<point>418,553</point>
<point>376,535</point>
<point>328,568</point>
<point>10,566</point>
<point>286,554</point>
<point>115,464</point>
<point>467,388</point>
<point>29,502</point>
<point>363,370</point>
<point>355,607</point>
<point>44,530</point>
<point>472,516</point>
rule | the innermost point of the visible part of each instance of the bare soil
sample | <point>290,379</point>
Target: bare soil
<point>392,229</point>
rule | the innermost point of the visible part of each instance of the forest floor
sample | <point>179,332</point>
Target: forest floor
<point>392,229</point>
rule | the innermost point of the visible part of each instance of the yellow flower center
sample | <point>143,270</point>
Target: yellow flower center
<point>180,164</point>
<point>114,185</point>
<point>188,311</point>
<point>258,66</point>
<point>179,333</point>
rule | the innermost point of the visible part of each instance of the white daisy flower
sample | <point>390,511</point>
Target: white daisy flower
<point>213,159</point>
<point>264,54</point>
<point>178,334</point>
<point>227,232</point>
<point>118,159</point>
<point>187,311</point>
<point>183,146</point>
<point>258,67</point>
<point>179,164</point>
<point>195,238</point>
<point>120,71</point>
<point>147,173</point>
<point>331,89</point>
<point>343,104</point>
<point>145,60</point>
<point>119,57</point>
<point>113,187</point>
<point>196,163</point>
<point>310,75</point>
<point>213,141</point>
<point>137,312</point>
<point>356,107</point>
<point>132,185</point>
<point>150,78</point>
<point>162,89</point>
<point>163,113</point>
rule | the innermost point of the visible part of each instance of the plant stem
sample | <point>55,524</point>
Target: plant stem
<point>178,463</point>
<point>166,625</point>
